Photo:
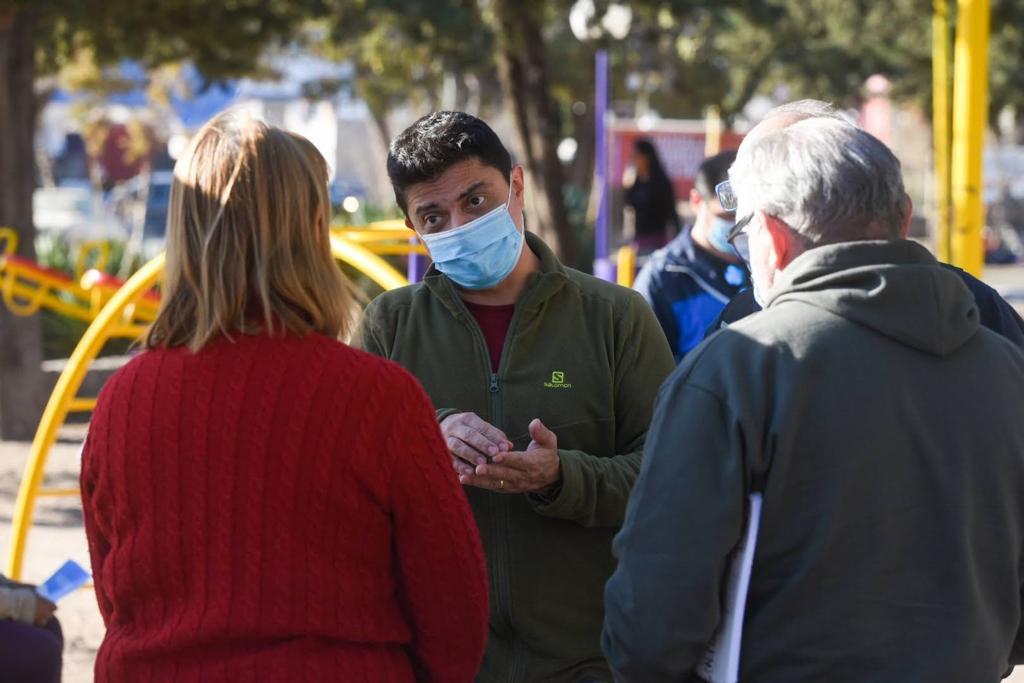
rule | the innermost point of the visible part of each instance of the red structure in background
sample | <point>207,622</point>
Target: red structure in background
<point>115,157</point>
<point>680,144</point>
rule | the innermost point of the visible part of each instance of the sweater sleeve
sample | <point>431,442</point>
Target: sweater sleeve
<point>96,526</point>
<point>594,489</point>
<point>442,572</point>
<point>662,603</point>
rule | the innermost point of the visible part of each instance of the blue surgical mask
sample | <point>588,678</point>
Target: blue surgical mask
<point>481,253</point>
<point>718,235</point>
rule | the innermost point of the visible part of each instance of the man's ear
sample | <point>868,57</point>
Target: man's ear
<point>519,185</point>
<point>695,200</point>
<point>784,243</point>
<point>907,216</point>
<point>408,223</point>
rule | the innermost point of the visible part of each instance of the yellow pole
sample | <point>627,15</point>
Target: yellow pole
<point>712,131</point>
<point>376,268</point>
<point>940,125</point>
<point>60,401</point>
<point>970,106</point>
<point>626,267</point>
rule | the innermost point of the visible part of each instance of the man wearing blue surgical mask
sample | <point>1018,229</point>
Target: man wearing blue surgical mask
<point>690,281</point>
<point>544,381</point>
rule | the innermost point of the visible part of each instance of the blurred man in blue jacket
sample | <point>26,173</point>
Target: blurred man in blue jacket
<point>691,279</point>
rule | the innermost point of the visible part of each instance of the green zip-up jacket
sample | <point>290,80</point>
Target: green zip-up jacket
<point>586,357</point>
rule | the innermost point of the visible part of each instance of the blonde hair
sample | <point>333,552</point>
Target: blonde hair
<point>248,243</point>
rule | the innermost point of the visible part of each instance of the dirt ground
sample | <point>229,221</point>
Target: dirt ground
<point>58,534</point>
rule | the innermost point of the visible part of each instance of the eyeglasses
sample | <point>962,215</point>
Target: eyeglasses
<point>726,196</point>
<point>739,238</point>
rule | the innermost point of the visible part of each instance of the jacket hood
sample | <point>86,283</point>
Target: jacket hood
<point>896,288</point>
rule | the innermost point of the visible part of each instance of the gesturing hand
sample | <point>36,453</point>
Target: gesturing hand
<point>44,611</point>
<point>533,470</point>
<point>472,441</point>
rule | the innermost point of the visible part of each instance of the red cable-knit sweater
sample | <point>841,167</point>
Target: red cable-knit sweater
<point>278,509</point>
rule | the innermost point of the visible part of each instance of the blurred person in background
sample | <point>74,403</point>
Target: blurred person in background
<point>263,502</point>
<point>652,200</point>
<point>995,312</point>
<point>689,281</point>
<point>31,644</point>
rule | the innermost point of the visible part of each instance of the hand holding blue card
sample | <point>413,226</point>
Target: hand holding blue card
<point>69,577</point>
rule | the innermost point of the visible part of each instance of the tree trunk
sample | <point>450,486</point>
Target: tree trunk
<point>523,69</point>
<point>380,119</point>
<point>22,392</point>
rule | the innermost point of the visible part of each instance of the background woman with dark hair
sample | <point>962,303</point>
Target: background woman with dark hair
<point>652,199</point>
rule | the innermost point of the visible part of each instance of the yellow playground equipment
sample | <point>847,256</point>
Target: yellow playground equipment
<point>118,309</point>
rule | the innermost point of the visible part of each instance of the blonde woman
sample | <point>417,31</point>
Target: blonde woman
<point>264,503</point>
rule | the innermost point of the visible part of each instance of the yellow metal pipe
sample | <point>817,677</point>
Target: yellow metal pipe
<point>42,299</point>
<point>390,224</point>
<point>34,275</point>
<point>57,407</point>
<point>25,299</point>
<point>712,131</point>
<point>398,249</point>
<point>376,268</point>
<point>127,331</point>
<point>402,235</point>
<point>100,249</point>
<point>58,493</point>
<point>81,405</point>
<point>626,266</point>
<point>940,124</point>
<point>970,107</point>
<point>9,238</point>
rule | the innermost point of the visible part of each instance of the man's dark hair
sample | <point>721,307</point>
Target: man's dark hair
<point>712,171</point>
<point>438,141</point>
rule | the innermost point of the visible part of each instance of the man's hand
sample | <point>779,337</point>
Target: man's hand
<point>531,471</point>
<point>44,611</point>
<point>472,441</point>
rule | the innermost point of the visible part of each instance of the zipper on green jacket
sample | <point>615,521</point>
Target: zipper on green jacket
<point>499,503</point>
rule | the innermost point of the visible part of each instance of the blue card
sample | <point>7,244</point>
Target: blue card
<point>69,577</point>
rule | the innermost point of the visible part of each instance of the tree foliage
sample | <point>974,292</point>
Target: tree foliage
<point>730,51</point>
<point>412,52</point>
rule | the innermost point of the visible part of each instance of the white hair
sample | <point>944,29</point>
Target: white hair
<point>825,178</point>
<point>806,109</point>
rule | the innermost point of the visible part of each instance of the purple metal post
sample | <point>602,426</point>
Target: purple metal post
<point>603,266</point>
<point>417,264</point>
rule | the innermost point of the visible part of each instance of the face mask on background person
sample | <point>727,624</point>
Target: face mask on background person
<point>718,234</point>
<point>481,253</point>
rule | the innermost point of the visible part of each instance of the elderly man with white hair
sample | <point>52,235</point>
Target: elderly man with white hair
<point>878,424</point>
<point>994,312</point>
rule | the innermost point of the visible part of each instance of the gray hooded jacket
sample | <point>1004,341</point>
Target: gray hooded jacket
<point>884,428</point>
